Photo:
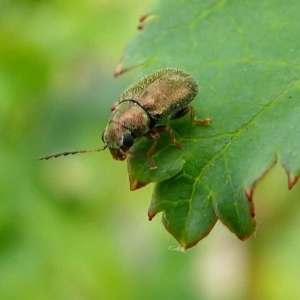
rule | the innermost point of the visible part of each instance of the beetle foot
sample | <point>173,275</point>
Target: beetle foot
<point>151,163</point>
<point>205,121</point>
<point>178,145</point>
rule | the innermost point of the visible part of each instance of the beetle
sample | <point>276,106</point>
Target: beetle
<point>142,109</point>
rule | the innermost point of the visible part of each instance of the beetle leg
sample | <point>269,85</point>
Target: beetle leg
<point>154,133</point>
<point>150,152</point>
<point>193,118</point>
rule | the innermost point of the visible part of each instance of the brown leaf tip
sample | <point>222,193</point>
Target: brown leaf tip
<point>249,194</point>
<point>142,20</point>
<point>292,180</point>
<point>151,213</point>
<point>252,209</point>
<point>135,185</point>
<point>143,17</point>
<point>119,70</point>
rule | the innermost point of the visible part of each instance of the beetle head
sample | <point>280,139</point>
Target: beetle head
<point>118,140</point>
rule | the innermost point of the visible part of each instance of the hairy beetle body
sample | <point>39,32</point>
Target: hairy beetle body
<point>161,96</point>
<point>157,98</point>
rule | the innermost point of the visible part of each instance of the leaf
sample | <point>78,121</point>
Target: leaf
<point>246,57</point>
<point>138,168</point>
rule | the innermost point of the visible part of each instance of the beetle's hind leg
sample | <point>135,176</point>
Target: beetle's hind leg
<point>154,133</point>
<point>193,118</point>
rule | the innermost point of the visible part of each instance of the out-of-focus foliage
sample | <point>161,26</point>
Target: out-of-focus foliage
<point>70,228</point>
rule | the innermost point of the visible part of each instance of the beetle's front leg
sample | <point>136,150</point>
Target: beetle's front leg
<point>154,133</point>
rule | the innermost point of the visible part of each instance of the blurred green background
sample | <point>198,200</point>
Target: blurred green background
<point>70,228</point>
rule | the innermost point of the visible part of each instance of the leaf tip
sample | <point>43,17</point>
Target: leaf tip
<point>183,246</point>
<point>244,238</point>
<point>135,184</point>
<point>143,17</point>
<point>292,180</point>
<point>119,70</point>
<point>151,213</point>
<point>142,20</point>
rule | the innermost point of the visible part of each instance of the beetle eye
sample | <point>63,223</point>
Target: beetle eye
<point>128,140</point>
<point>102,136</point>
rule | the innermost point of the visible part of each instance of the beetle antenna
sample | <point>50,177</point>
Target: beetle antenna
<point>71,153</point>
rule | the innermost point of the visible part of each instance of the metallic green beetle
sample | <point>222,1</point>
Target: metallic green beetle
<point>161,96</point>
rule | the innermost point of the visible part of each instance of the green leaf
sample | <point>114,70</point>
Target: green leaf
<point>138,168</point>
<point>246,57</point>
